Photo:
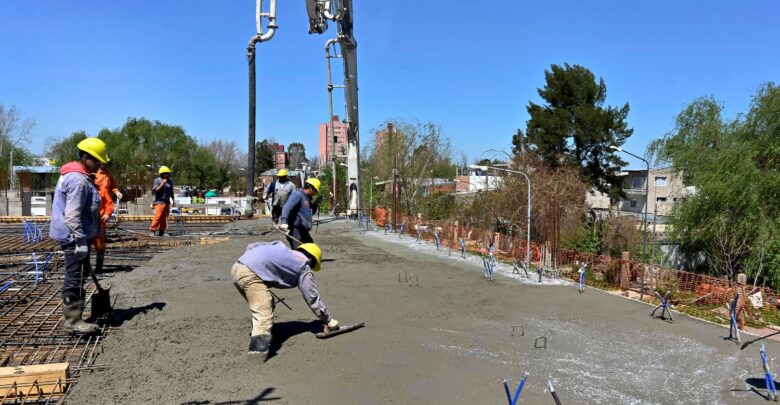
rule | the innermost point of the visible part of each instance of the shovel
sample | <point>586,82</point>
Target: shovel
<point>101,298</point>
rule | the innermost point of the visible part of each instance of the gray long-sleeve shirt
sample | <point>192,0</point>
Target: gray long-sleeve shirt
<point>280,267</point>
<point>75,208</point>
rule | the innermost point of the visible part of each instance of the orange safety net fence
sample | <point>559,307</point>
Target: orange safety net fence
<point>698,295</point>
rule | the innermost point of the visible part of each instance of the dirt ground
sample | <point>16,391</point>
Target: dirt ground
<point>445,337</point>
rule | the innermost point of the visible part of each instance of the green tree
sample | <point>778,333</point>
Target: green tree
<point>138,149</point>
<point>419,151</point>
<point>326,192</point>
<point>575,128</point>
<point>264,156</point>
<point>734,168</point>
<point>297,153</point>
<point>14,133</point>
<point>438,206</point>
<point>64,150</point>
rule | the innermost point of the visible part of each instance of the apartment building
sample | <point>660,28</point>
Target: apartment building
<point>665,187</point>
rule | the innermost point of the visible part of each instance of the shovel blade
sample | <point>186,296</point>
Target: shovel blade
<point>101,303</point>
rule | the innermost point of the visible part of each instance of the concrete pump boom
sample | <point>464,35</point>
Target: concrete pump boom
<point>319,12</point>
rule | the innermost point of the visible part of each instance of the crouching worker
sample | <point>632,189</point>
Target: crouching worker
<point>273,265</point>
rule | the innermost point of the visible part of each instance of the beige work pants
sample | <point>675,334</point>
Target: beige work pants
<point>257,295</point>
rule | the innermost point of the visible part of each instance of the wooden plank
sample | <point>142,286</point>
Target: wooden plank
<point>45,376</point>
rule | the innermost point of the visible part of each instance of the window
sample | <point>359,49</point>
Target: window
<point>660,199</point>
<point>638,182</point>
<point>660,181</point>
<point>633,203</point>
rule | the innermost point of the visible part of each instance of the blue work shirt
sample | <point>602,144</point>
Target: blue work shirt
<point>297,212</point>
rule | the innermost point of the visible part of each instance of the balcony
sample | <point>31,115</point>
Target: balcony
<point>634,190</point>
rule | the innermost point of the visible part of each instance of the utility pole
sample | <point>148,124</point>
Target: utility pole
<point>391,137</point>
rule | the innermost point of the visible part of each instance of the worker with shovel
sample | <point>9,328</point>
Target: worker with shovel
<point>296,218</point>
<point>75,222</point>
<point>107,188</point>
<point>273,265</point>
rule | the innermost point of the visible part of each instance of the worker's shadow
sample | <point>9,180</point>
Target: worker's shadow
<point>284,330</point>
<point>120,316</point>
<point>262,397</point>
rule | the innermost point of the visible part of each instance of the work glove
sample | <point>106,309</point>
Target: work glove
<point>118,196</point>
<point>81,251</point>
<point>331,325</point>
<point>284,228</point>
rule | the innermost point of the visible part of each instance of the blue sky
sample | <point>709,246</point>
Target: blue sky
<point>470,66</point>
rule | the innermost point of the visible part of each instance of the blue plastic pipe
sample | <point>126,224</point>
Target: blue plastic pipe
<point>768,377</point>
<point>6,286</point>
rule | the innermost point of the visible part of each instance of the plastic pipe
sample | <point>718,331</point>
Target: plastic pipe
<point>6,286</point>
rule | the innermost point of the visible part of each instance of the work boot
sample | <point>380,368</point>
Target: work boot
<point>72,310</point>
<point>258,347</point>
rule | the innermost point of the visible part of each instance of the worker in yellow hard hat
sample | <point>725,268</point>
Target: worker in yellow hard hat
<point>278,192</point>
<point>75,222</point>
<point>272,265</point>
<point>296,218</point>
<point>163,199</point>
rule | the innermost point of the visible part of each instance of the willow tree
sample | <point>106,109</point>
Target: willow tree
<point>732,167</point>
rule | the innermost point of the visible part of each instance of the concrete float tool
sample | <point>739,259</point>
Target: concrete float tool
<point>339,331</point>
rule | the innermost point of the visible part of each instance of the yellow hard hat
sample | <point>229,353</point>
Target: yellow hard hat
<point>282,172</point>
<point>164,169</point>
<point>96,148</point>
<point>315,251</point>
<point>314,183</point>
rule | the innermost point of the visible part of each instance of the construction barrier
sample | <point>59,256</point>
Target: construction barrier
<point>702,296</point>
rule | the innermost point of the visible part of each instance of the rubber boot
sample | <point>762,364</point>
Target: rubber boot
<point>259,346</point>
<point>72,310</point>
<point>100,257</point>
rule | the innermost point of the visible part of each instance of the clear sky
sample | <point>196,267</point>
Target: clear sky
<point>470,66</point>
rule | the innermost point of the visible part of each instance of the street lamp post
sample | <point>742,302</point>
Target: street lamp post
<point>528,217</point>
<point>644,220</point>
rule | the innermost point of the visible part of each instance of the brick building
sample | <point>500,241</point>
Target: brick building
<point>280,156</point>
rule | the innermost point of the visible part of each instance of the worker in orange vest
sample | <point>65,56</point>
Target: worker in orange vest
<point>163,199</point>
<point>107,189</point>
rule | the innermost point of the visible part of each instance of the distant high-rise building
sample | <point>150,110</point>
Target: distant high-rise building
<point>339,137</point>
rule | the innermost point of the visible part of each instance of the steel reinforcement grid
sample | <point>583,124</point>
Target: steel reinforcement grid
<point>31,277</point>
